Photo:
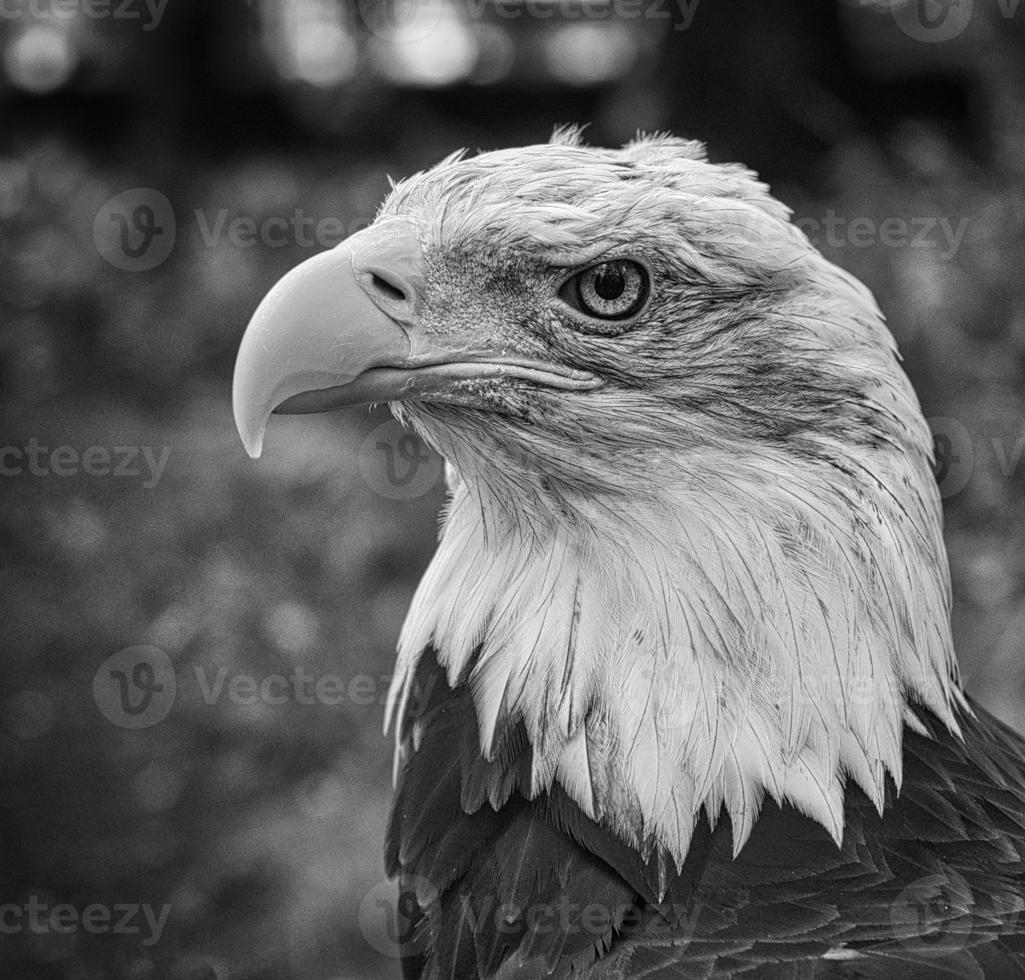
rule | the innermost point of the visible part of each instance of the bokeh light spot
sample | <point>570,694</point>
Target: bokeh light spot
<point>40,59</point>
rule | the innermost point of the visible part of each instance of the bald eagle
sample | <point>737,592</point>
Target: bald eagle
<point>677,695</point>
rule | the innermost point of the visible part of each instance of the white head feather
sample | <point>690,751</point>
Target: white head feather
<point>719,576</point>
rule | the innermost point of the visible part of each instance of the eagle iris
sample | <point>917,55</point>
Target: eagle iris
<point>614,290</point>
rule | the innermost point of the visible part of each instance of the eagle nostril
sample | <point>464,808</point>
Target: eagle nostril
<point>391,287</point>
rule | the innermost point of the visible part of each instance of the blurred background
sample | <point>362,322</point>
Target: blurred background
<point>196,646</point>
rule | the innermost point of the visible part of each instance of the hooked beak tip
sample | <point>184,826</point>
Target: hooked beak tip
<point>253,445</point>
<point>249,411</point>
<point>251,433</point>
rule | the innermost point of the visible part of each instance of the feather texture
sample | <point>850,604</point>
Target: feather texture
<point>537,888</point>
<point>688,632</point>
<point>734,612</point>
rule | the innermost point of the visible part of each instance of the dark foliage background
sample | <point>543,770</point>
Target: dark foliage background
<point>258,820</point>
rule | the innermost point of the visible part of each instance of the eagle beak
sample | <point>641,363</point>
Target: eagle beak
<point>340,329</point>
<point>324,324</point>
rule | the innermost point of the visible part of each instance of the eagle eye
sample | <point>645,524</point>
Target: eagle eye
<point>613,290</point>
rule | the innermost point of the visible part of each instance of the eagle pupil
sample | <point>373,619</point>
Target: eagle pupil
<point>609,282</point>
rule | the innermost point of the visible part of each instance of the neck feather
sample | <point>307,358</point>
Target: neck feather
<point>702,646</point>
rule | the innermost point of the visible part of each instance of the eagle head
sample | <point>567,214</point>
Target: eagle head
<point>694,542</point>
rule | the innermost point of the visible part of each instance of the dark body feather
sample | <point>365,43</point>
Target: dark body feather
<point>933,888</point>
